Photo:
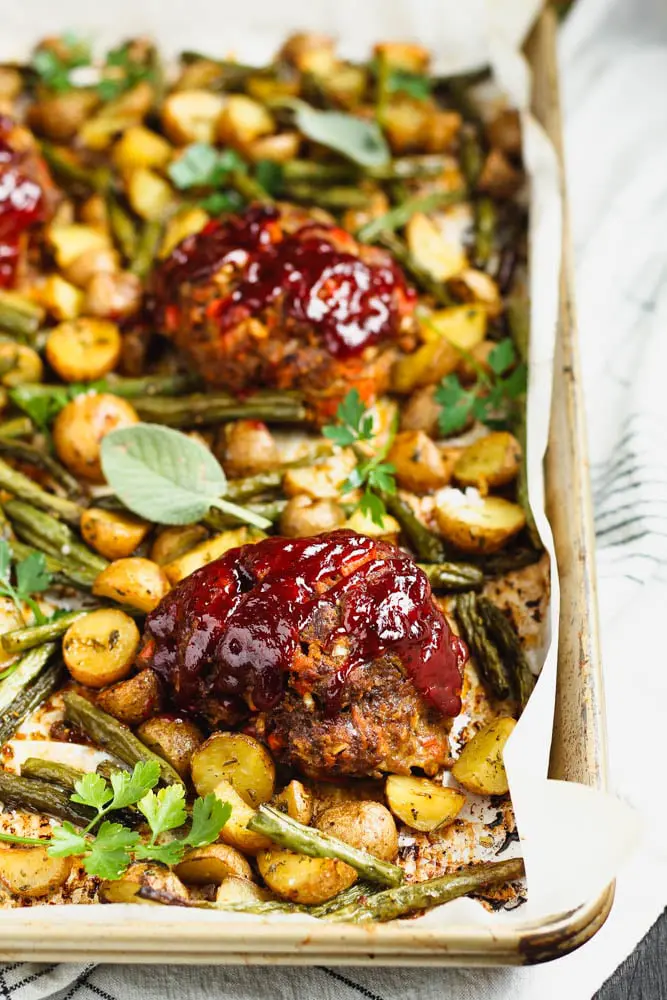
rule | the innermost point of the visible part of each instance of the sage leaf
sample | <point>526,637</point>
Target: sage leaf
<point>358,140</point>
<point>166,476</point>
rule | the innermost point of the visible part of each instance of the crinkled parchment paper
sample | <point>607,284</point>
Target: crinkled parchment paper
<point>572,838</point>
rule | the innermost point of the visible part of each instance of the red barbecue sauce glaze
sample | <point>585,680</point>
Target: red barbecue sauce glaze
<point>232,628</point>
<point>21,203</point>
<point>350,303</point>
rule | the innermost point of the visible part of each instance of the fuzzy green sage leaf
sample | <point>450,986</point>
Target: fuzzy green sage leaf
<point>166,476</point>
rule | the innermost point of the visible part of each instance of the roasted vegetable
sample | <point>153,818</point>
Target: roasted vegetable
<point>175,739</point>
<point>30,872</point>
<point>136,582</point>
<point>80,426</point>
<point>480,767</point>
<point>238,759</point>
<point>422,804</point>
<point>133,701</point>
<point>99,648</point>
<point>477,524</point>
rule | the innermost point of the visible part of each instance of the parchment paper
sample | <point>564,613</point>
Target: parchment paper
<point>572,838</point>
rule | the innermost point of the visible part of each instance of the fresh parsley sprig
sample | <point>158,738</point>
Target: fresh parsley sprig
<point>54,65</point>
<point>109,850</point>
<point>204,168</point>
<point>122,71</point>
<point>31,577</point>
<point>493,397</point>
<point>372,473</point>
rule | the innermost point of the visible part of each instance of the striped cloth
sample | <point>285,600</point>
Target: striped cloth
<point>615,71</point>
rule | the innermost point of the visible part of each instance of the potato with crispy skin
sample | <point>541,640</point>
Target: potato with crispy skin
<point>173,738</point>
<point>368,826</point>
<point>134,700</point>
<point>30,872</point>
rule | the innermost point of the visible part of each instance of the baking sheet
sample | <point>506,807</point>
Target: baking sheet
<point>572,838</point>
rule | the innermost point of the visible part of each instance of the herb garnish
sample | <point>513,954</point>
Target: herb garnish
<point>372,474</point>
<point>109,851</point>
<point>163,475</point>
<point>492,399</point>
<point>204,167</point>
<point>122,72</point>
<point>43,403</point>
<point>32,577</point>
<point>53,68</point>
<point>359,140</point>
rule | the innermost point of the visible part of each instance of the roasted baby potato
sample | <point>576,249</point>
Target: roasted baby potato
<point>80,426</point>
<point>425,366</point>
<point>323,481</point>
<point>493,460</point>
<point>422,804</point>
<point>83,349</point>
<point>246,447</point>
<point>61,299</point>
<point>140,875</point>
<point>136,582</point>
<point>242,120</point>
<point>215,863</point>
<point>99,649</point>
<point>239,759</point>
<point>421,412</point>
<point>463,326</point>
<point>30,872</point>
<point>235,832</point>
<point>368,826</point>
<point>19,364</point>
<point>364,524</point>
<point>113,295</point>
<point>477,524</point>
<point>184,223</point>
<point>480,767</point>
<point>295,800</point>
<point>479,288</point>
<point>206,552</point>
<point>303,879</point>
<point>148,194</point>
<point>431,250</point>
<point>134,700</point>
<point>305,516</point>
<point>140,147</point>
<point>239,890</point>
<point>114,534</point>
<point>191,116</point>
<point>98,260</point>
<point>420,465</point>
<point>69,242</point>
<point>172,543</point>
<point>174,739</point>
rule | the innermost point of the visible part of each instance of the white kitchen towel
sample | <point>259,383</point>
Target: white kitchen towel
<point>614,67</point>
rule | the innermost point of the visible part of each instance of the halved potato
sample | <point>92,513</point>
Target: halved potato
<point>239,890</point>
<point>425,366</point>
<point>69,242</point>
<point>280,148</point>
<point>113,295</point>
<point>480,767</point>
<point>363,524</point>
<point>143,874</point>
<point>323,481</point>
<point>310,52</point>
<point>83,349</point>
<point>215,863</point>
<point>19,364</point>
<point>174,739</point>
<point>172,543</point>
<point>243,120</point>
<point>407,56</point>
<point>184,223</point>
<point>235,832</point>
<point>303,879</point>
<point>29,872</point>
<point>80,426</point>
<point>134,700</point>
<point>136,582</point>
<point>478,287</point>
<point>493,460</point>
<point>295,800</point>
<point>149,194</point>
<point>209,550</point>
<point>431,250</point>
<point>477,524</point>
<point>305,516</point>
<point>83,268</point>
<point>246,447</point>
<point>61,298</point>
<point>368,826</point>
<point>420,465</point>
<point>191,116</point>
<point>239,759</point>
<point>99,649</point>
<point>112,533</point>
<point>421,804</point>
<point>463,326</point>
<point>140,147</point>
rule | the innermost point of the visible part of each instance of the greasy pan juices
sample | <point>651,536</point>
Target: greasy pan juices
<point>271,595</point>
